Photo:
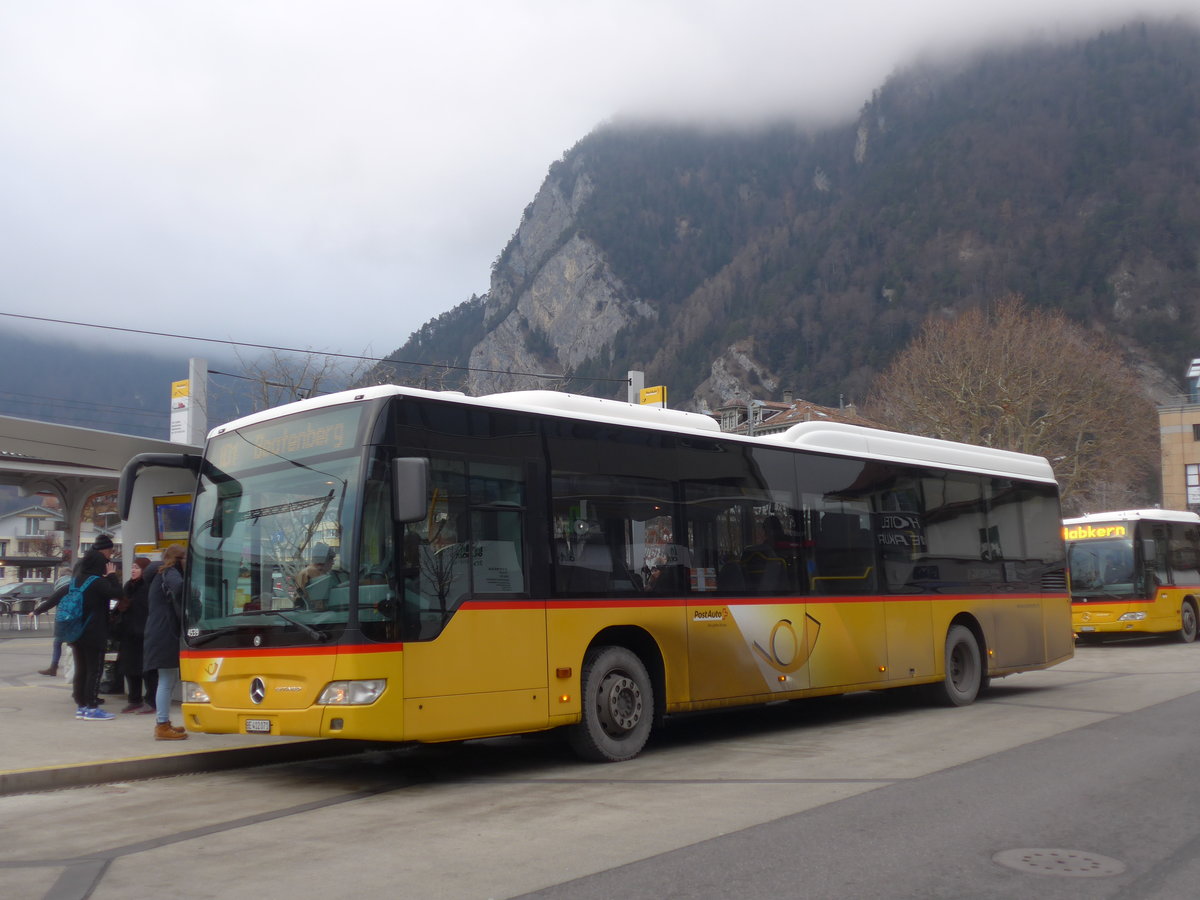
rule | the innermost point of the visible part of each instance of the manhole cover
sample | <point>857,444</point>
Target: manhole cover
<point>1072,863</point>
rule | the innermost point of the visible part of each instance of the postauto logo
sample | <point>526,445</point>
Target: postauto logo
<point>1090,532</point>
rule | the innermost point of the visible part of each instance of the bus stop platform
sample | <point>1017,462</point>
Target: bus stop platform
<point>44,747</point>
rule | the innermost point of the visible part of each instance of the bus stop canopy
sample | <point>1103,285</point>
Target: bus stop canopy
<point>73,464</point>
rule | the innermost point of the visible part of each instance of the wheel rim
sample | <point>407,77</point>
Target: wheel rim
<point>1189,620</point>
<point>960,668</point>
<point>620,705</point>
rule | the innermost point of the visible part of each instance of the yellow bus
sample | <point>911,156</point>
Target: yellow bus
<point>406,565</point>
<point>1135,570</point>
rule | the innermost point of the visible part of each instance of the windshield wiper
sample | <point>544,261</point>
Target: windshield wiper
<point>1102,592</point>
<point>318,636</point>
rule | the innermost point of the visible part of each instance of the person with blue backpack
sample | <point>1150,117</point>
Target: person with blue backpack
<point>82,623</point>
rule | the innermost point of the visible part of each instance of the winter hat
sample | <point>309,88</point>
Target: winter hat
<point>104,542</point>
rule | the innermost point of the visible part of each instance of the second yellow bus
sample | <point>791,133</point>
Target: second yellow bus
<point>1135,570</point>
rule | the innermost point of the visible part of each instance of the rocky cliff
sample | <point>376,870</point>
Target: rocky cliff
<point>726,264</point>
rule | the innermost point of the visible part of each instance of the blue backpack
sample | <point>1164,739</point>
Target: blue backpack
<point>69,621</point>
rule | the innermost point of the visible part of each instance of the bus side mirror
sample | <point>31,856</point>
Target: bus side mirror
<point>1149,550</point>
<point>228,510</point>
<point>410,480</point>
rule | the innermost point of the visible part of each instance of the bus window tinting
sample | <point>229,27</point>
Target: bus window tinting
<point>471,545</point>
<point>726,519</point>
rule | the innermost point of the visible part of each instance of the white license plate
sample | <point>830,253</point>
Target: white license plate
<point>258,726</point>
<point>1087,628</point>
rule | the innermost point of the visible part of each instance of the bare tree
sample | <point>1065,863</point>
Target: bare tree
<point>281,377</point>
<point>1027,380</point>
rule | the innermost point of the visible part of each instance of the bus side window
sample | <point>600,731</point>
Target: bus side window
<point>1158,567</point>
<point>435,556</point>
<point>614,536</point>
<point>1183,556</point>
<point>378,591</point>
<point>496,497</point>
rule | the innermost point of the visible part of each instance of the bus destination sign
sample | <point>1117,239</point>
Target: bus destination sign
<point>296,437</point>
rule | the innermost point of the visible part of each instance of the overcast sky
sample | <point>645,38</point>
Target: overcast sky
<point>331,175</point>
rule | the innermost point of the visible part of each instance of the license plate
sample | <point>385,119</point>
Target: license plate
<point>258,726</point>
<point>1087,628</point>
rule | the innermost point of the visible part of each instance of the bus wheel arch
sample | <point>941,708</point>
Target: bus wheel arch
<point>620,696</point>
<point>964,665</point>
<point>1189,620</point>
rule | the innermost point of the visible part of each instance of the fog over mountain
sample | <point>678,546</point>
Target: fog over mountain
<point>733,262</point>
<point>730,261</point>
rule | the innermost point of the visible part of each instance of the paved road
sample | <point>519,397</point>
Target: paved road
<point>1089,768</point>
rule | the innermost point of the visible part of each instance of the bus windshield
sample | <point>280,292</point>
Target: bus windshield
<point>1105,566</point>
<point>272,529</point>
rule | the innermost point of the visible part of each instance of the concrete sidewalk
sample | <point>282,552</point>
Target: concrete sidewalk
<point>43,746</point>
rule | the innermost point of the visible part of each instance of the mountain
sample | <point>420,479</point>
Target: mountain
<point>727,262</point>
<point>109,384</point>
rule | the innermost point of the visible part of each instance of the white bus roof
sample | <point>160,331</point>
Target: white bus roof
<point>574,406</point>
<point>827,437</point>
<point>855,440</point>
<point>1126,515</point>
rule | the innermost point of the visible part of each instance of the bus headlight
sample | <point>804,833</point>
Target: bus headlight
<point>352,693</point>
<point>1132,617</point>
<point>193,693</point>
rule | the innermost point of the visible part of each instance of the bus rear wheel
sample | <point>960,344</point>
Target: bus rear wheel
<point>1187,615</point>
<point>964,670</point>
<point>618,706</point>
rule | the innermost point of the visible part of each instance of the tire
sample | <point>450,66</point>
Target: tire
<point>618,706</point>
<point>964,670</point>
<point>1187,614</point>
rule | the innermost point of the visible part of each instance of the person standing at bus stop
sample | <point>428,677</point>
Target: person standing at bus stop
<point>163,630</point>
<point>136,608</point>
<point>45,606</point>
<point>88,651</point>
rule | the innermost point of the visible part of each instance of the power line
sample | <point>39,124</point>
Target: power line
<point>258,380</point>
<point>83,405</point>
<point>375,359</point>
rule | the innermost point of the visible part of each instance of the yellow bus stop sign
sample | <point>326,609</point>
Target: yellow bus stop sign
<point>657,394</point>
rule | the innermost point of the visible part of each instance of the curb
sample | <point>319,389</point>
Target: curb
<point>140,768</point>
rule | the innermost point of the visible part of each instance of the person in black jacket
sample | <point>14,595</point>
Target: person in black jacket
<point>164,630</point>
<point>88,651</point>
<point>133,611</point>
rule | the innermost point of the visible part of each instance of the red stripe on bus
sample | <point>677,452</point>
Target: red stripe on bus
<point>705,600</point>
<point>1130,602</point>
<point>323,650</point>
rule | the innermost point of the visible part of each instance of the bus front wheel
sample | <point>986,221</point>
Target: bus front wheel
<point>964,670</point>
<point>618,706</point>
<point>1187,616</point>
